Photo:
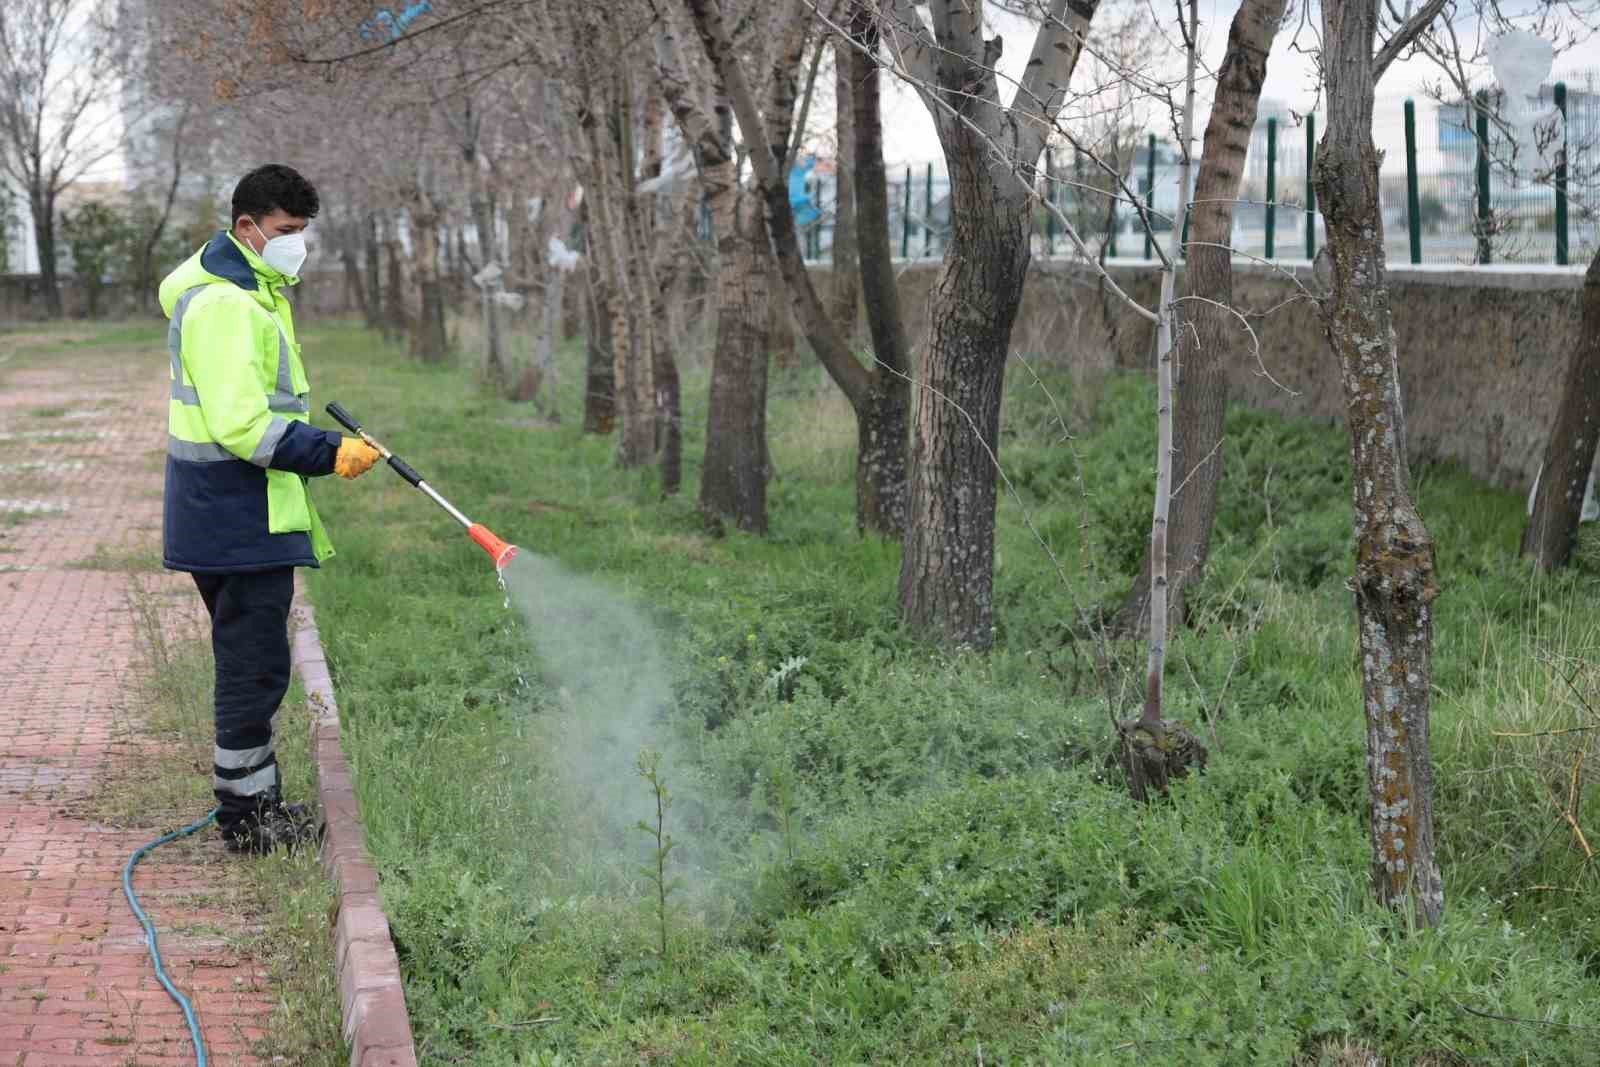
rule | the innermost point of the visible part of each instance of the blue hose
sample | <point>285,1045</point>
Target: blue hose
<point>150,932</point>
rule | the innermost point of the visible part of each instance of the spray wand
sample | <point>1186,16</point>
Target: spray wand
<point>499,551</point>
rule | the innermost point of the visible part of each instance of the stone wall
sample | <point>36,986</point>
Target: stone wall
<point>22,297</point>
<point>1482,349</point>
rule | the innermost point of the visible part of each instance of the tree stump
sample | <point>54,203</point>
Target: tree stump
<point>1150,757</point>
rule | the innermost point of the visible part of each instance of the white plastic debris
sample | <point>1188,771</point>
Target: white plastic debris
<point>675,172</point>
<point>562,258</point>
<point>1522,61</point>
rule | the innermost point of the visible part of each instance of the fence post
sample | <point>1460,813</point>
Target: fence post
<point>816,228</point>
<point>1150,194</point>
<point>1485,214</point>
<point>833,227</point>
<point>1111,221</point>
<point>1311,187</point>
<point>1413,201</point>
<point>821,207</point>
<point>1079,216</point>
<point>1561,178</point>
<point>905,220</point>
<point>1050,201</point>
<point>1272,185</point>
<point>1183,242</point>
<point>927,215</point>
<point>813,246</point>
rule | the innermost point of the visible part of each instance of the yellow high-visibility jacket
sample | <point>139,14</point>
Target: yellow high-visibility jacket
<point>240,445</point>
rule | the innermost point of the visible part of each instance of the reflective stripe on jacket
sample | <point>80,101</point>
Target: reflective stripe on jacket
<point>239,442</point>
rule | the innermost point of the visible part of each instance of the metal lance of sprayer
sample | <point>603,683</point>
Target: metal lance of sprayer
<point>500,551</point>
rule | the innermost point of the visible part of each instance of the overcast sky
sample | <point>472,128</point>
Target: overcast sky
<point>1291,80</point>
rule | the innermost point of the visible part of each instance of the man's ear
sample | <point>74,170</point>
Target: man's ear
<point>238,231</point>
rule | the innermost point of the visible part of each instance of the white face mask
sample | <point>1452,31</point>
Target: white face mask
<point>285,254</point>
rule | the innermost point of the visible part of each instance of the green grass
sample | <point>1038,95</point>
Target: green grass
<point>124,559</point>
<point>893,854</point>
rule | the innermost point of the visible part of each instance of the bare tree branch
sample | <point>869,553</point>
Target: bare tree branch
<point>1056,48</point>
<point>908,39</point>
<point>1402,37</point>
<point>432,27</point>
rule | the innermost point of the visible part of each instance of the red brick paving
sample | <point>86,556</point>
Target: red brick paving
<point>76,986</point>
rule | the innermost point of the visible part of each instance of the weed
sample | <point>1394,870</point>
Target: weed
<point>126,560</point>
<point>649,768</point>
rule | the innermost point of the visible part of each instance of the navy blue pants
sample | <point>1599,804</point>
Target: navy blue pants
<point>250,640</point>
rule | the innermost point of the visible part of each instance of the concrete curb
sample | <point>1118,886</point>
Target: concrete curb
<point>376,1025</point>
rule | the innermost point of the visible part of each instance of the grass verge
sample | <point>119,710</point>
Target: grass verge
<point>895,854</point>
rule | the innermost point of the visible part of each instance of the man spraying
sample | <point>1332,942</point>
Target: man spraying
<point>239,450</point>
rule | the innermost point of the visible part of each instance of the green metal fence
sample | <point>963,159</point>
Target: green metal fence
<point>1450,197</point>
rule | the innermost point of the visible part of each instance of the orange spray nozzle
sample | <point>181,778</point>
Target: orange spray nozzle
<point>498,550</point>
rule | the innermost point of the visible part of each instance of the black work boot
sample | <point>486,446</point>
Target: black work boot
<point>278,825</point>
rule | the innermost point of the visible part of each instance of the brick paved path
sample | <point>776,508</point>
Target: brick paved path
<point>81,439</point>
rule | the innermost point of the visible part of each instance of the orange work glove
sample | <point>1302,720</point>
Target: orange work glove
<point>355,458</point>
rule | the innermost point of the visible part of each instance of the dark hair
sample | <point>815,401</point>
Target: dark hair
<point>274,186</point>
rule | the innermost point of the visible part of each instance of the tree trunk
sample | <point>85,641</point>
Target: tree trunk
<point>428,341</point>
<point>846,261</point>
<point>396,323</point>
<point>373,305</point>
<point>599,385</point>
<point>1156,664</point>
<point>637,446</point>
<point>768,145</point>
<point>611,148</point>
<point>355,294</point>
<point>669,406</point>
<point>733,482</point>
<point>542,389</point>
<point>1209,338</point>
<point>653,262</point>
<point>1569,455</point>
<point>1394,579</point>
<point>572,313</point>
<point>530,252</point>
<point>947,570</point>
<point>494,360</point>
<point>883,418</point>
<point>456,262</point>
<point>780,334</point>
<point>147,253</point>
<point>523,251</point>
<point>666,267</point>
<point>647,273</point>
<point>881,422</point>
<point>43,206</point>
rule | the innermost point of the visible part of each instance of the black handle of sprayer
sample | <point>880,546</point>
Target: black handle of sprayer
<point>348,421</point>
<point>343,417</point>
<point>403,469</point>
